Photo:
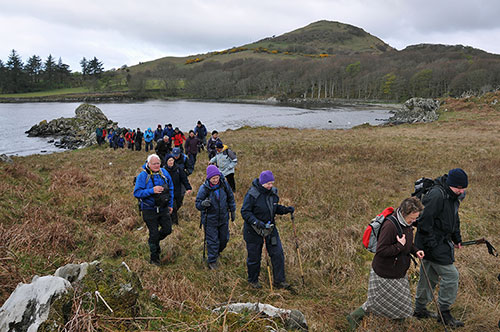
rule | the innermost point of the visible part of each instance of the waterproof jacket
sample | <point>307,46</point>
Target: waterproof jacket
<point>260,204</point>
<point>200,132</point>
<point>158,134</point>
<point>211,144</point>
<point>224,163</point>
<point>148,135</point>
<point>162,149</point>
<point>179,178</point>
<point>178,138</point>
<point>392,259</point>
<point>439,225</point>
<point>98,132</point>
<point>221,199</point>
<point>144,187</point>
<point>129,137</point>
<point>138,137</point>
<point>169,132</point>
<point>191,145</point>
<point>183,163</point>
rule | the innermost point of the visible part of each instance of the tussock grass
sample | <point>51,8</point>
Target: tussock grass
<point>78,206</point>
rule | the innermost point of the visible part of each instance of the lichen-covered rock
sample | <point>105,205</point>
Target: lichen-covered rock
<point>294,319</point>
<point>416,110</point>
<point>75,132</point>
<point>29,305</point>
<point>5,159</point>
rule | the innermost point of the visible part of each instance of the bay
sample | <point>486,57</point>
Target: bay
<point>15,119</point>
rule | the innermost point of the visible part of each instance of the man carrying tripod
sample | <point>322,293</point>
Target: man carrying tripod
<point>438,233</point>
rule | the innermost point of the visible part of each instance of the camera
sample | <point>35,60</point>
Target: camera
<point>162,199</point>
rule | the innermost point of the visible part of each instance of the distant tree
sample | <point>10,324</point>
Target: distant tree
<point>33,69</point>
<point>62,72</point>
<point>3,75</point>
<point>95,67</point>
<point>85,66</point>
<point>49,71</point>
<point>16,77</point>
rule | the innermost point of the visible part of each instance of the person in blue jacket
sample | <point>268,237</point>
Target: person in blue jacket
<point>148,139</point>
<point>260,205</point>
<point>155,190</point>
<point>216,202</point>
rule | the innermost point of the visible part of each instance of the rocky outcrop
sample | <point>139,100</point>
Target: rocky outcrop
<point>5,159</point>
<point>46,303</point>
<point>416,110</point>
<point>75,132</point>
<point>294,319</point>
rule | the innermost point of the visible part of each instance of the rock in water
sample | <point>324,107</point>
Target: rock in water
<point>75,132</point>
<point>29,305</point>
<point>416,110</point>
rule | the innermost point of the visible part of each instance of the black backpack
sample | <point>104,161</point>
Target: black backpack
<point>162,199</point>
<point>422,187</point>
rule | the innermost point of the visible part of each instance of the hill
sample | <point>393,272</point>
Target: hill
<point>323,61</point>
<point>56,209</point>
<point>324,37</point>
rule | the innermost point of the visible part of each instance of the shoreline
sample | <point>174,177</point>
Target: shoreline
<point>125,98</point>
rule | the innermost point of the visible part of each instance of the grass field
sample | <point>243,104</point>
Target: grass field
<point>78,206</point>
<point>45,93</point>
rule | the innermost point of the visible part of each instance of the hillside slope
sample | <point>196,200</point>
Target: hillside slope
<point>56,209</point>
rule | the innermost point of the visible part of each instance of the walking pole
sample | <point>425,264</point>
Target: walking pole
<point>267,262</point>
<point>433,297</point>
<point>298,249</point>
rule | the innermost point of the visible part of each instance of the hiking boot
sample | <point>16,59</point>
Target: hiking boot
<point>282,284</point>
<point>212,266</point>
<point>255,285</point>
<point>355,318</point>
<point>422,314</point>
<point>155,262</point>
<point>449,319</point>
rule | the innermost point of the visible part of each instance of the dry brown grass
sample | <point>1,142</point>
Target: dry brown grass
<point>81,209</point>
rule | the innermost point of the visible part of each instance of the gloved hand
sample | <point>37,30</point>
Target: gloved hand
<point>206,203</point>
<point>290,209</point>
<point>263,225</point>
<point>233,215</point>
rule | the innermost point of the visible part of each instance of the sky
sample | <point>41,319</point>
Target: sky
<point>126,32</point>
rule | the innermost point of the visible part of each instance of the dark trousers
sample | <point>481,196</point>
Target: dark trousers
<point>192,158</point>
<point>138,146</point>
<point>217,238</point>
<point>150,145</point>
<point>159,226</point>
<point>178,200</point>
<point>275,251</point>
<point>230,180</point>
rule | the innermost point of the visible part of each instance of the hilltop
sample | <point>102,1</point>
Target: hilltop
<point>56,209</point>
<point>323,61</point>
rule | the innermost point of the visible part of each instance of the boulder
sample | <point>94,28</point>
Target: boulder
<point>5,159</point>
<point>46,303</point>
<point>294,319</point>
<point>29,305</point>
<point>75,132</point>
<point>416,110</point>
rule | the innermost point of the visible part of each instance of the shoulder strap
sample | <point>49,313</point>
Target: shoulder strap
<point>396,224</point>
<point>253,192</point>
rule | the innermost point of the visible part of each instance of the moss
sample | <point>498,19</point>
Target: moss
<point>60,312</point>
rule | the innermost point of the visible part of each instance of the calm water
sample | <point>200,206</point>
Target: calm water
<point>15,119</point>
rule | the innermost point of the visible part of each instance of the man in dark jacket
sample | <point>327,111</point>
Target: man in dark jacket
<point>216,202</point>
<point>182,161</point>
<point>200,131</point>
<point>180,180</point>
<point>138,139</point>
<point>163,148</point>
<point>260,205</point>
<point>191,147</point>
<point>438,233</point>
<point>158,133</point>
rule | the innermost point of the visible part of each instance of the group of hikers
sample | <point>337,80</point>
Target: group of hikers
<point>160,188</point>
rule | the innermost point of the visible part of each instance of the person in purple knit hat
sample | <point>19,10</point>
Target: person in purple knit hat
<point>260,206</point>
<point>215,200</point>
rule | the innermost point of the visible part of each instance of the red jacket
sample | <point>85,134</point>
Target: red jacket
<point>129,137</point>
<point>179,138</point>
